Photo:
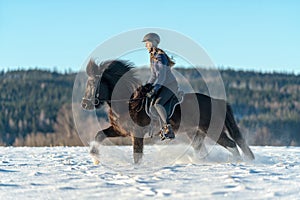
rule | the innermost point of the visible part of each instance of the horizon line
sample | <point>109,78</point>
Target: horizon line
<point>219,67</point>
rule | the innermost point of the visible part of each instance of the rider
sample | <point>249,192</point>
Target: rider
<point>163,81</point>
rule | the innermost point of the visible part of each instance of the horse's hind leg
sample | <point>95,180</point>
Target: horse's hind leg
<point>138,145</point>
<point>197,139</point>
<point>236,134</point>
<point>229,144</point>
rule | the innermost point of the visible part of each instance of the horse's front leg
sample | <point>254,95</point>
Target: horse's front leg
<point>109,132</point>
<point>100,136</point>
<point>138,145</point>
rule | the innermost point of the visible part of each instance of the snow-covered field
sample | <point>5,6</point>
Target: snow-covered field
<point>69,173</point>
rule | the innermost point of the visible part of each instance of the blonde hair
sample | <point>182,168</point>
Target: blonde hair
<point>160,51</point>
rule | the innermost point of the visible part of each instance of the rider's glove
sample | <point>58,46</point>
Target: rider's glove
<point>148,86</point>
<point>152,94</point>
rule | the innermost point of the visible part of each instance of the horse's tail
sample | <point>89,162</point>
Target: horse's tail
<point>235,133</point>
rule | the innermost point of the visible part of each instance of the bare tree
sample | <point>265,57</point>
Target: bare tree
<point>65,127</point>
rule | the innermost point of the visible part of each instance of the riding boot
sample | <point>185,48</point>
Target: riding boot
<point>166,132</point>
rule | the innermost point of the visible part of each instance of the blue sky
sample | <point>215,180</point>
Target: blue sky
<point>250,35</point>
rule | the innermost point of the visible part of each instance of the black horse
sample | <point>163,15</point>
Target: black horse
<point>198,115</point>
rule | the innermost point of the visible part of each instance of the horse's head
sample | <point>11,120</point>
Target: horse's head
<point>102,81</point>
<point>89,101</point>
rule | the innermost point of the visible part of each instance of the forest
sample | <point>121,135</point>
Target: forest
<point>36,106</point>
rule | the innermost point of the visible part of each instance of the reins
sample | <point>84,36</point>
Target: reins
<point>97,101</point>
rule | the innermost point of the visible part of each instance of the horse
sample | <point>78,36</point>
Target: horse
<point>129,116</point>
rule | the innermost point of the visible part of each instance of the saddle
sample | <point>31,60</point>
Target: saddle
<point>170,104</point>
<point>174,101</point>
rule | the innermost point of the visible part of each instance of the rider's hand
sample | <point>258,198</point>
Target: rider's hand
<point>151,94</point>
<point>148,86</point>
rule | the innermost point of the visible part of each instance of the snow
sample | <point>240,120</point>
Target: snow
<point>69,173</point>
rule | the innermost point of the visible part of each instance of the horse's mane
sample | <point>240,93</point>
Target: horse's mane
<point>114,73</point>
<point>113,70</point>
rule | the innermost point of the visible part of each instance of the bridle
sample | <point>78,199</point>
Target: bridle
<point>97,101</point>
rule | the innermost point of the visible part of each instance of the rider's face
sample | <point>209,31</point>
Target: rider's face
<point>148,45</point>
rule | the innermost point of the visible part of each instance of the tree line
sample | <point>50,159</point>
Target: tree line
<point>36,106</point>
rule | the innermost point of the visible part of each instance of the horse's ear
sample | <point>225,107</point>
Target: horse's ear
<point>91,68</point>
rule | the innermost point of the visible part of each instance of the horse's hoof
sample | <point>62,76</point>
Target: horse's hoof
<point>137,158</point>
<point>96,161</point>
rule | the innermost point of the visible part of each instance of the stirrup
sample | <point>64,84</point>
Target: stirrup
<point>166,132</point>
